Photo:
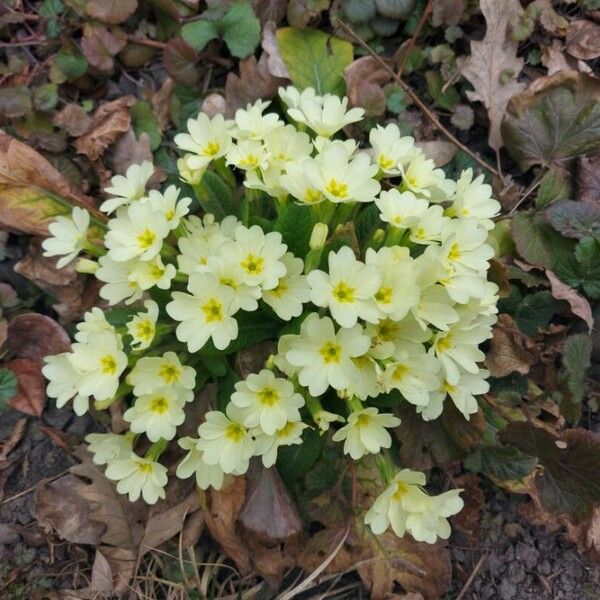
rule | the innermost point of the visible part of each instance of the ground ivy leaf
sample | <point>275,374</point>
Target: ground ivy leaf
<point>144,120</point>
<point>198,33</point>
<point>555,185</point>
<point>240,29</point>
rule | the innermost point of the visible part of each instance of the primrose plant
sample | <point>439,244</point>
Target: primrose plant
<point>365,267</point>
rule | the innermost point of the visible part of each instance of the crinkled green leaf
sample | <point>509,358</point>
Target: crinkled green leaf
<point>575,219</point>
<point>198,33</point>
<point>293,462</point>
<point>215,196</point>
<point>295,223</point>
<point>72,65</point>
<point>314,59</point>
<point>535,311</point>
<point>240,29</point>
<point>8,386</point>
<point>500,462</point>
<point>582,269</point>
<point>576,359</point>
<point>144,120</point>
<point>555,185</point>
<point>14,102</point>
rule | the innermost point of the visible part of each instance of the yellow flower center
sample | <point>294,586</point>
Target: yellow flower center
<point>397,219</point>
<point>337,188</point>
<point>363,420</point>
<point>311,195</point>
<point>420,233</point>
<point>250,160</point>
<point>454,253</point>
<point>213,311</point>
<point>144,329</point>
<point>146,239</point>
<point>159,405</point>
<point>331,353</point>
<point>234,432</point>
<point>281,289</point>
<point>385,162</point>
<point>144,467</point>
<point>170,214</point>
<point>342,292</point>
<point>268,396</point>
<point>286,430</point>
<point>156,271</point>
<point>211,149</point>
<point>169,373</point>
<point>253,265</point>
<point>108,365</point>
<point>386,330</point>
<point>401,489</point>
<point>399,372</point>
<point>384,295</point>
<point>465,212</point>
<point>448,387</point>
<point>444,343</point>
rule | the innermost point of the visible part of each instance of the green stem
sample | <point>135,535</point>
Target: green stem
<point>393,236</point>
<point>96,251</point>
<point>386,468</point>
<point>156,450</point>
<point>354,404</point>
<point>122,391</point>
<point>225,172</point>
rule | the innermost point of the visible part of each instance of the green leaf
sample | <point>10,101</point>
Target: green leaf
<point>14,102</point>
<point>555,185</point>
<point>314,59</point>
<point>535,311</point>
<point>569,481</point>
<point>295,223</point>
<point>575,219</point>
<point>240,29</point>
<point>536,241</point>
<point>215,196</point>
<point>556,121</point>
<point>576,359</point>
<point>119,317</point>
<point>185,104</point>
<point>144,120</point>
<point>198,33</point>
<point>500,462</point>
<point>8,386</point>
<point>582,269</point>
<point>293,462</point>
<point>45,97</point>
<point>444,99</point>
<point>180,61</point>
<point>72,65</point>
<point>226,387</point>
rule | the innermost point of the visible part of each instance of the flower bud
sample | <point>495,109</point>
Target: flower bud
<point>318,237</point>
<point>85,265</point>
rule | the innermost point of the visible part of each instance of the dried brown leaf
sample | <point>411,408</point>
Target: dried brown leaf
<point>99,46</point>
<point>8,444</point>
<point>102,576</point>
<point>42,270</point>
<point>588,179</point>
<point>73,119</point>
<point>31,391</point>
<point>35,336</point>
<point>110,121</point>
<point>128,150</point>
<point>492,58</point>
<point>181,61</point>
<point>112,12</point>
<point>511,351</point>
<point>468,520</point>
<point>161,103</point>
<point>275,63</point>
<point>441,151</point>
<point>583,39</point>
<point>364,80</point>
<point>214,104</point>
<point>579,305</point>
<point>447,12</point>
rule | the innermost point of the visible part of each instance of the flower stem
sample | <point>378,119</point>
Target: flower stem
<point>156,450</point>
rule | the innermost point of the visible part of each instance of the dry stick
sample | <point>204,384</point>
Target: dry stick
<point>472,577</point>
<point>413,39</point>
<point>413,95</point>
<point>36,486</point>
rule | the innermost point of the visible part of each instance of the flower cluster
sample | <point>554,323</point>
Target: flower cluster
<point>398,312</point>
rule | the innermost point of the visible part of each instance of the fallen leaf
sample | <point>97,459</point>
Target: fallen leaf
<point>32,191</point>
<point>275,63</point>
<point>364,80</point>
<point>34,336</point>
<point>557,118</point>
<point>59,438</point>
<point>447,12</point>
<point>270,10</point>
<point>161,102</point>
<point>223,509</point>
<point>128,150</point>
<point>214,104</point>
<point>440,151</point>
<point>110,121</point>
<point>588,179</point>
<point>102,576</point>
<point>99,46</point>
<point>579,305</point>
<point>112,12</point>
<point>301,12</point>
<point>269,512</point>
<point>583,39</point>
<point>491,59</point>
<point>468,521</point>
<point>73,119</point>
<point>8,444</point>
<point>254,82</point>
<point>31,391</point>
<point>123,562</point>
<point>554,59</point>
<point>252,359</point>
<point>511,351</point>
<point>42,269</point>
<point>181,61</point>
<point>586,535</point>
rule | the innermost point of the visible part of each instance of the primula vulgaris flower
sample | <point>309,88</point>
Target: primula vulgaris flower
<point>286,145</point>
<point>267,446</point>
<point>403,210</point>
<point>296,183</point>
<point>94,321</point>
<point>258,254</point>
<point>193,464</point>
<point>422,178</point>
<point>170,205</point>
<point>208,139</point>
<point>473,198</point>
<point>407,508</point>
<point>325,114</point>
<point>292,291</point>
<point>248,155</point>
<point>323,357</point>
<point>107,447</point>
<point>63,382</point>
<point>205,313</point>
<point>231,274</point>
<point>252,124</point>
<point>347,289</point>
<point>225,442</point>
<point>151,372</point>
<point>128,188</point>
<point>266,401</point>
<point>118,285</point>
<point>341,177</point>
<point>157,414</point>
<point>142,326</point>
<point>464,245</point>
<point>69,236</point>
<point>390,149</point>
<point>136,232</point>
<point>365,432</point>
<point>138,476</point>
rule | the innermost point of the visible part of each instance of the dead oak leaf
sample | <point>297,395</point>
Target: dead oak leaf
<point>110,121</point>
<point>493,59</point>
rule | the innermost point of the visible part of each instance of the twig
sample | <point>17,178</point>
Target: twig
<point>414,97</point>
<point>472,577</point>
<point>34,487</point>
<point>146,42</point>
<point>534,184</point>
<point>413,39</point>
